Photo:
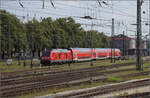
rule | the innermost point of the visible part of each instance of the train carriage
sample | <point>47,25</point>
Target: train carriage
<point>59,56</point>
<point>101,53</point>
<point>45,57</point>
<point>81,54</point>
<point>117,53</point>
<point>56,56</point>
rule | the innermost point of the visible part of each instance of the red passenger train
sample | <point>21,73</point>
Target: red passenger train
<point>59,56</point>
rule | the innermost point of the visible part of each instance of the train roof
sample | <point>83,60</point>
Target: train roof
<point>113,48</point>
<point>101,49</point>
<point>60,50</point>
<point>89,49</point>
<point>82,49</point>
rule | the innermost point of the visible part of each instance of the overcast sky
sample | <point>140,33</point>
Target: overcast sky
<point>124,13</point>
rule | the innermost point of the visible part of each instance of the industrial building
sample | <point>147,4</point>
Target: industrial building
<point>127,45</point>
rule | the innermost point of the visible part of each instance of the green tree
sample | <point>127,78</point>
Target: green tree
<point>11,27</point>
<point>47,33</point>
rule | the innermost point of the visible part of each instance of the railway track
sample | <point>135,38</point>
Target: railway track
<point>36,71</point>
<point>53,75</point>
<point>23,73</point>
<point>28,74</point>
<point>138,95</point>
<point>59,79</point>
<point>26,88</point>
<point>74,76</point>
<point>105,89</point>
<point>43,71</point>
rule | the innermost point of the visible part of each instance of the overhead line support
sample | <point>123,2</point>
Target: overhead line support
<point>112,40</point>
<point>138,39</point>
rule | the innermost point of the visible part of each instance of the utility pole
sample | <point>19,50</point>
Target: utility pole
<point>0,35</point>
<point>138,40</point>
<point>123,46</point>
<point>31,42</point>
<point>0,44</point>
<point>146,42</point>
<point>92,45</point>
<point>149,32</point>
<point>112,40</point>
<point>43,4</point>
<point>9,49</point>
<point>127,42</point>
<point>24,53</point>
<point>18,49</point>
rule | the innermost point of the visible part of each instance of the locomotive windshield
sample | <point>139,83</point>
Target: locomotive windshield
<point>46,53</point>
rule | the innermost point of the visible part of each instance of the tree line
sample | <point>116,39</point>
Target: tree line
<point>35,35</point>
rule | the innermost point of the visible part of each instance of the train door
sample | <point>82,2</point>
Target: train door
<point>76,57</point>
<point>96,55</point>
<point>107,54</point>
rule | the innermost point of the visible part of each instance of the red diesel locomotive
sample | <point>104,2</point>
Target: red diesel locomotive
<point>59,56</point>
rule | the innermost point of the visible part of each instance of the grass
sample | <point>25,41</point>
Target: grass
<point>128,72</point>
<point>15,67</point>
<point>122,67</point>
<point>82,86</point>
<point>113,78</point>
<point>125,72</point>
<point>55,90</point>
<point>122,94</point>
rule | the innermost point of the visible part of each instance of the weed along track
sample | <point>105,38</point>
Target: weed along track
<point>138,95</point>
<point>62,79</point>
<point>30,87</point>
<point>104,89</point>
<point>60,74</point>
<point>39,72</point>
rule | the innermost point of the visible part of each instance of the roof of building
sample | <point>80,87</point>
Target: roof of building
<point>120,37</point>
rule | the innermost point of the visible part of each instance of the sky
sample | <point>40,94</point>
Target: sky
<point>123,12</point>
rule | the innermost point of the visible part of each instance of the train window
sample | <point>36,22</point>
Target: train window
<point>46,53</point>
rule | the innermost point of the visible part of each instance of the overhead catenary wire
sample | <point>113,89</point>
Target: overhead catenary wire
<point>58,13</point>
<point>20,4</point>
<point>89,8</point>
<point>78,19</point>
<point>121,12</point>
<point>73,16</point>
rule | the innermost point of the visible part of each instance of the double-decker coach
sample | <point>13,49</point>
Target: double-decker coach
<point>81,54</point>
<point>59,56</point>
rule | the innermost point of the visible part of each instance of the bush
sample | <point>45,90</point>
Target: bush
<point>114,79</point>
